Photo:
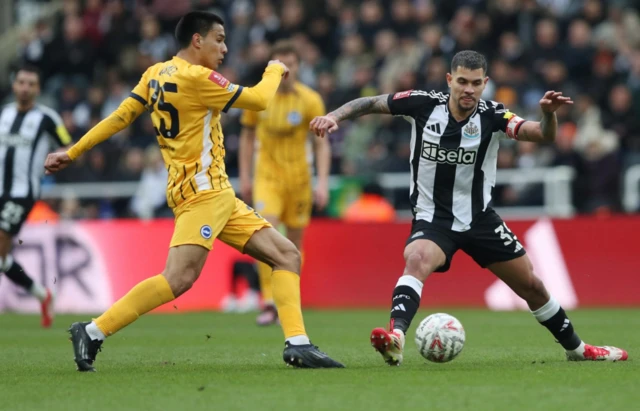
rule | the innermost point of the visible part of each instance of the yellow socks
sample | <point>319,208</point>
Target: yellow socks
<point>265,272</point>
<point>286,294</point>
<point>144,297</point>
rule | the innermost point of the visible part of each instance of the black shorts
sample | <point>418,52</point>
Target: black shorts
<point>13,213</point>
<point>488,241</point>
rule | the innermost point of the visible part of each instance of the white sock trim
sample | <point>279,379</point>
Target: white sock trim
<point>411,281</point>
<point>38,291</point>
<point>298,340</point>
<point>580,349</point>
<point>94,332</point>
<point>547,311</point>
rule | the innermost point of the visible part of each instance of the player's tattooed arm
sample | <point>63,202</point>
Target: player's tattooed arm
<point>323,125</point>
<point>543,131</point>
<point>362,106</point>
<point>549,126</point>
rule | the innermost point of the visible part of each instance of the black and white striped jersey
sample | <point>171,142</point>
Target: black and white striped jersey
<point>25,140</point>
<point>453,164</point>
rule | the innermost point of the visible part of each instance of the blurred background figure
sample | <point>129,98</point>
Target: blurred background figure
<point>245,289</point>
<point>150,199</point>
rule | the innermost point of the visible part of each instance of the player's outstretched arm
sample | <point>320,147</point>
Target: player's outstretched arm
<point>353,109</point>
<point>124,115</point>
<point>257,98</point>
<point>544,131</point>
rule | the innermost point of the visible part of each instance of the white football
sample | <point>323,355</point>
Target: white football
<point>440,337</point>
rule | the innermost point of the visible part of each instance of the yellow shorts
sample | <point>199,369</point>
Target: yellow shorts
<point>210,215</point>
<point>290,204</point>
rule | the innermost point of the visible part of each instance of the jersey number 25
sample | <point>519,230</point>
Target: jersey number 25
<point>157,102</point>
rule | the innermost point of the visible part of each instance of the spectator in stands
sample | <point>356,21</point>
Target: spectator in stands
<point>92,52</point>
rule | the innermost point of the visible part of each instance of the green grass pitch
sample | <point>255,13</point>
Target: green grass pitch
<point>211,361</point>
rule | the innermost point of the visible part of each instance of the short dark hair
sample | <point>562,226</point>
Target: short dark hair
<point>469,59</point>
<point>29,68</point>
<point>284,47</point>
<point>200,22</point>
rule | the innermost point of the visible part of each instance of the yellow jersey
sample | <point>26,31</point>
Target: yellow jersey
<point>282,134</point>
<point>185,102</point>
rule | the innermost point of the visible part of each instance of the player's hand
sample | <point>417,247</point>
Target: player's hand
<point>278,62</point>
<point>56,162</point>
<point>323,125</point>
<point>245,190</point>
<point>321,194</point>
<point>553,100</point>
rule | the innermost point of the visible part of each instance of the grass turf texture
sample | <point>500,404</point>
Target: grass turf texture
<point>211,361</point>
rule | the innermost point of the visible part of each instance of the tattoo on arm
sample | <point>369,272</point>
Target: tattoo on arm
<point>362,106</point>
<point>548,126</point>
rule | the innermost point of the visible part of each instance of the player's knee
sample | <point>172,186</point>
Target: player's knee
<point>418,265</point>
<point>533,290</point>
<point>182,280</point>
<point>289,259</point>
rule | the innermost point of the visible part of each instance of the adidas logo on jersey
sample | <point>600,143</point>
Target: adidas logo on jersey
<point>439,154</point>
<point>435,128</point>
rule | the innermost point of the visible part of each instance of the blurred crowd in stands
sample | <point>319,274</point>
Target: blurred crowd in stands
<point>93,52</point>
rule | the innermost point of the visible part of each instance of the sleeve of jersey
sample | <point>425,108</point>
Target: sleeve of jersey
<point>406,103</point>
<point>507,122</point>
<point>117,121</point>
<point>59,131</point>
<point>257,98</point>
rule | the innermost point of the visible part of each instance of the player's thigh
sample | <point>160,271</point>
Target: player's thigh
<point>428,249</point>
<point>268,200</point>
<point>6,240</point>
<point>491,241</point>
<point>197,224</point>
<point>298,205</point>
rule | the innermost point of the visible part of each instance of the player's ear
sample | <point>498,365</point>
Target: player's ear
<point>196,40</point>
<point>486,80</point>
<point>449,79</point>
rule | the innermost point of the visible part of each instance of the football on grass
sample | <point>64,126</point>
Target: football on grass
<point>440,337</point>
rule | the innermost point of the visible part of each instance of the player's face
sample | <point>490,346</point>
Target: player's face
<point>291,61</point>
<point>213,47</point>
<point>26,87</point>
<point>466,87</point>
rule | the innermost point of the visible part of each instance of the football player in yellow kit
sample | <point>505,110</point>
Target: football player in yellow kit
<point>282,186</point>
<point>185,97</point>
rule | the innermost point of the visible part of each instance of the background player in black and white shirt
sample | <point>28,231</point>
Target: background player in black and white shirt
<point>453,167</point>
<point>28,131</point>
